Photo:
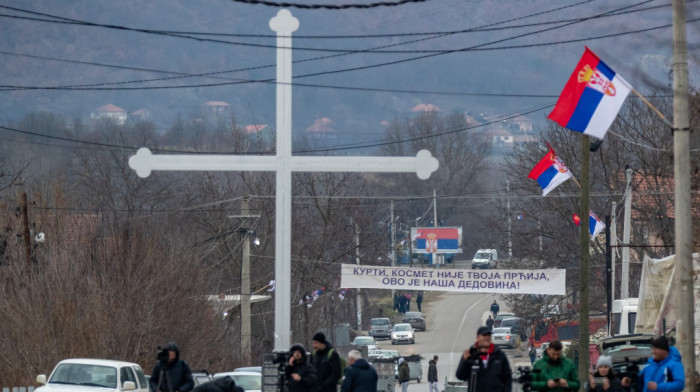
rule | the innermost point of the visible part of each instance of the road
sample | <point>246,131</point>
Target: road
<point>451,321</point>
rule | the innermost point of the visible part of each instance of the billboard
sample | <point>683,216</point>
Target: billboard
<point>436,240</point>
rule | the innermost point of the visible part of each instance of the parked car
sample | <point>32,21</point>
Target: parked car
<point>402,333</point>
<point>380,328</point>
<point>249,381</point>
<point>365,341</point>
<point>505,337</point>
<point>256,369</point>
<point>384,354</point>
<point>515,325</point>
<point>416,320</point>
<point>93,375</point>
<point>500,318</point>
<point>201,376</point>
<point>485,258</point>
<point>625,350</point>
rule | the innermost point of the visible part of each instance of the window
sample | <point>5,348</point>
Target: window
<point>127,375</point>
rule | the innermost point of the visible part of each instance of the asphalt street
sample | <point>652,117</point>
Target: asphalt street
<point>451,322</point>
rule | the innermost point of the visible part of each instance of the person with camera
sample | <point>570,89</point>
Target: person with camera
<point>605,378</point>
<point>663,372</point>
<point>360,376</point>
<point>171,374</point>
<point>327,363</point>
<point>553,372</point>
<point>221,384</point>
<point>493,372</point>
<point>300,375</point>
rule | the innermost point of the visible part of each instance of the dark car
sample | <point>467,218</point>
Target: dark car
<point>627,350</point>
<point>380,328</point>
<point>416,320</point>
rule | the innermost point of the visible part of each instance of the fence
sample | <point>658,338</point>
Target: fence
<point>18,389</point>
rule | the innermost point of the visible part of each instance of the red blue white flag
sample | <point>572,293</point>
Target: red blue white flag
<point>591,98</point>
<point>549,172</point>
<point>595,225</point>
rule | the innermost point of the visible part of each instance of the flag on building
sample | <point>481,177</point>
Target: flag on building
<point>549,172</point>
<point>591,98</point>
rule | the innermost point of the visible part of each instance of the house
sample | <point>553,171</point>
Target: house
<point>421,107</point>
<point>217,107</point>
<point>322,129</point>
<point>262,131</point>
<point>110,111</point>
<point>523,123</point>
<point>140,115</point>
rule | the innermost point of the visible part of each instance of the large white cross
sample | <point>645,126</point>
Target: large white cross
<point>423,164</point>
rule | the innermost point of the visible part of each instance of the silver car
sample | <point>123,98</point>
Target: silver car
<point>504,337</point>
<point>402,333</point>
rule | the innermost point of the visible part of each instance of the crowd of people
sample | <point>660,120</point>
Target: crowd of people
<point>402,302</point>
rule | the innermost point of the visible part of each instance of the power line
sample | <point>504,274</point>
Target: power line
<point>329,6</point>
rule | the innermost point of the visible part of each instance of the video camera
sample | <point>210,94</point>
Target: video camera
<point>526,377</point>
<point>163,356</point>
<point>280,357</point>
<point>631,370</point>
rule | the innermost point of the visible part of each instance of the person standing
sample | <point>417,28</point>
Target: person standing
<point>604,379</point>
<point>493,370</point>
<point>300,375</point>
<point>402,303</point>
<point>433,375</point>
<point>408,302</point>
<point>171,374</point>
<point>664,370</point>
<point>327,363</point>
<point>397,308</point>
<point>495,309</point>
<point>553,372</point>
<point>404,374</point>
<point>532,353</point>
<point>360,376</point>
<point>419,300</point>
<point>489,322</point>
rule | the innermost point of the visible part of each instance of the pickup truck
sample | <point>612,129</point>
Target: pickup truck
<point>93,375</point>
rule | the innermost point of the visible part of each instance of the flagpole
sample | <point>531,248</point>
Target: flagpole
<point>652,107</point>
<point>584,332</point>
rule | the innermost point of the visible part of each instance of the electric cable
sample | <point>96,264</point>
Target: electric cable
<point>329,6</point>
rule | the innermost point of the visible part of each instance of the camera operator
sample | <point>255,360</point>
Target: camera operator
<point>553,372</point>
<point>171,374</point>
<point>664,370</point>
<point>604,378</point>
<point>300,375</point>
<point>493,374</point>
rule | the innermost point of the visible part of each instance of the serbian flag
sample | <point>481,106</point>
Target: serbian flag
<point>549,172</point>
<point>591,98</point>
<point>595,225</point>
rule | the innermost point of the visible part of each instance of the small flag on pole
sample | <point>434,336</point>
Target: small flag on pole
<point>595,225</point>
<point>591,98</point>
<point>549,172</point>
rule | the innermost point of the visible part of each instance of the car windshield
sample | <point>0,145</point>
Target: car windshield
<point>248,381</point>
<point>482,255</point>
<point>85,374</point>
<point>501,330</point>
<point>503,316</point>
<point>402,327</point>
<point>380,322</point>
<point>413,315</point>
<point>509,322</point>
<point>363,340</point>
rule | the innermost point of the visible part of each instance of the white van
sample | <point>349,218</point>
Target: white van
<point>485,258</point>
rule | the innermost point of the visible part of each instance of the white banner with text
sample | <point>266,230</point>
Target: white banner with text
<point>546,281</point>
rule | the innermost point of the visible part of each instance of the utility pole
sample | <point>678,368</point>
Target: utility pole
<point>245,278</point>
<point>613,247</point>
<point>435,256</point>
<point>510,237</point>
<point>358,296</point>
<point>608,273</point>
<point>584,271</point>
<point>393,236</point>
<point>625,285</point>
<point>685,325</point>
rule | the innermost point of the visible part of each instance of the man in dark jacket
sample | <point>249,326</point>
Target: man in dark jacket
<point>222,384</point>
<point>360,376</point>
<point>404,374</point>
<point>327,363</point>
<point>300,375</point>
<point>495,309</point>
<point>491,364</point>
<point>433,375</point>
<point>171,374</point>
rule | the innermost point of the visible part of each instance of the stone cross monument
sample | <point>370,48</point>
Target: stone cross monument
<point>283,163</point>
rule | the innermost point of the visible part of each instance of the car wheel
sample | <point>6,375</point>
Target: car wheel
<point>413,341</point>
<point>393,342</point>
<point>419,381</point>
